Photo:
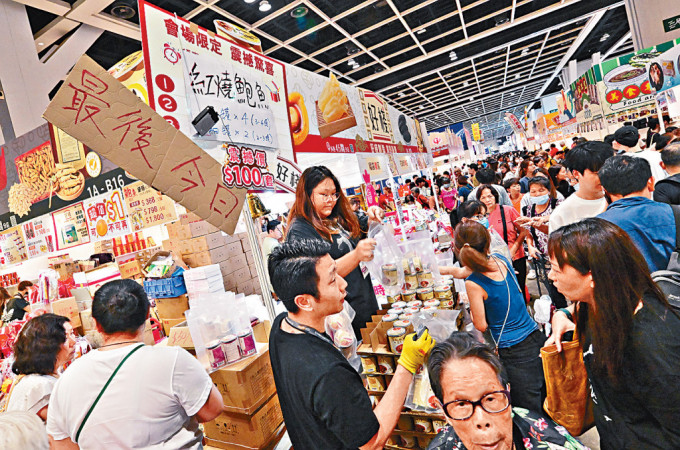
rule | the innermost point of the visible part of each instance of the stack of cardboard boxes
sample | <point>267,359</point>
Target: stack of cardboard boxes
<point>201,244</point>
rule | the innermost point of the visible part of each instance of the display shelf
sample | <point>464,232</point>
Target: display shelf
<point>366,349</point>
<point>414,433</point>
<point>379,393</point>
<point>377,374</point>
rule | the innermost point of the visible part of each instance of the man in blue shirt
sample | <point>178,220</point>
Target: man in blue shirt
<point>651,225</point>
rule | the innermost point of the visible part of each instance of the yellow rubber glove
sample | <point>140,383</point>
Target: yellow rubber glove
<point>414,352</point>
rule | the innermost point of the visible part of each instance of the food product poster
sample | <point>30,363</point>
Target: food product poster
<point>39,236</point>
<point>147,207</point>
<point>664,70</point>
<point>405,131</point>
<point>439,140</point>
<point>189,68</point>
<point>45,170</point>
<point>565,109</point>
<point>12,246</point>
<point>70,226</point>
<point>107,216</point>
<point>95,108</point>
<point>624,82</point>
<point>586,97</point>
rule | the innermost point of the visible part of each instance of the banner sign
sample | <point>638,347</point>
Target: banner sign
<point>245,167</point>
<point>147,207</point>
<point>98,110</point>
<point>585,94</point>
<point>106,216</point>
<point>70,226</point>
<point>514,123</point>
<point>664,70</point>
<point>287,175</point>
<point>376,117</point>
<point>476,132</point>
<point>189,68</point>
<point>375,165</point>
<point>39,236</point>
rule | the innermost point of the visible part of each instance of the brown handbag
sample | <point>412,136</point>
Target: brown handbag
<point>568,399</point>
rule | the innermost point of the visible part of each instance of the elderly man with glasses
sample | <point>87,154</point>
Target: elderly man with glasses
<point>468,379</point>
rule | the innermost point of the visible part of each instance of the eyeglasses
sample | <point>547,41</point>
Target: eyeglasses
<point>330,197</point>
<point>494,402</point>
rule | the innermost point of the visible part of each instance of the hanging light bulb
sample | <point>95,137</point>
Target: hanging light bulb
<point>265,6</point>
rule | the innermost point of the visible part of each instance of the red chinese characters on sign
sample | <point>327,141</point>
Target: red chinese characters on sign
<point>245,167</point>
<point>86,101</point>
<point>223,201</point>
<point>200,39</point>
<point>191,169</point>
<point>141,135</point>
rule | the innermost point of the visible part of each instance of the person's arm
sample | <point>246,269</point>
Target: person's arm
<point>212,408</point>
<point>457,272</point>
<point>561,323</point>
<point>413,355</point>
<point>522,234</point>
<point>475,295</point>
<point>62,444</point>
<point>362,252</point>
<point>43,413</point>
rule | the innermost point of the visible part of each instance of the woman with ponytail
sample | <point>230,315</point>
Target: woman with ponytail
<point>498,307</point>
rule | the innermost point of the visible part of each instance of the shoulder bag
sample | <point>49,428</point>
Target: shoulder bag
<point>568,400</point>
<point>89,411</point>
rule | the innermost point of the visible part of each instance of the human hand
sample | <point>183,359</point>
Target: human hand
<point>375,213</point>
<point>560,325</point>
<point>414,352</point>
<point>534,253</point>
<point>523,220</point>
<point>365,249</point>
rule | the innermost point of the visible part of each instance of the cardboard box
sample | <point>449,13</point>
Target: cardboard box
<point>86,320</point>
<point>253,271</point>
<point>249,431</point>
<point>247,384</point>
<point>67,307</point>
<point>249,257</point>
<point>271,444</point>
<point>226,267</point>
<point>130,269</point>
<point>189,217</point>
<point>208,257</point>
<point>241,275</point>
<point>177,262</point>
<point>234,248</point>
<point>180,336</point>
<point>101,275</point>
<point>261,331</point>
<point>169,323</point>
<point>245,243</point>
<point>65,269</point>
<point>171,245</point>
<point>172,307</point>
<point>201,228</point>
<point>229,283</point>
<point>177,231</point>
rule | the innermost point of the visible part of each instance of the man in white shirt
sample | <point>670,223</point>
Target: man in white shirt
<point>627,139</point>
<point>156,398</point>
<point>584,161</point>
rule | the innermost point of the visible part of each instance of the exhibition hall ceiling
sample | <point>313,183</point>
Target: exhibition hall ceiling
<point>442,61</point>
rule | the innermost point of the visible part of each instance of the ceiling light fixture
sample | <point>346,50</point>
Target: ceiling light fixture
<point>351,61</point>
<point>512,93</point>
<point>472,98</point>
<point>525,51</point>
<point>465,84</point>
<point>420,107</point>
<point>421,31</point>
<point>453,56</point>
<point>401,94</point>
<point>604,37</point>
<point>123,10</point>
<point>41,43</point>
<point>300,11</point>
<point>265,6</point>
<point>517,77</point>
<point>249,1</point>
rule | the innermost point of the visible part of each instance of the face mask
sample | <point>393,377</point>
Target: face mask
<point>446,186</point>
<point>541,200</point>
<point>484,222</point>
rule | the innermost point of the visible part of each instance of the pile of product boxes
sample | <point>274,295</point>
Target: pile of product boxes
<point>199,244</point>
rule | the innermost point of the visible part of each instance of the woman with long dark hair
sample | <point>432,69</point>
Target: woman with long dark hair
<point>628,331</point>
<point>322,211</point>
<point>44,344</point>
<point>558,175</point>
<point>498,305</point>
<point>526,171</point>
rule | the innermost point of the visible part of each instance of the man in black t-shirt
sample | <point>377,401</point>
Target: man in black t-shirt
<point>17,306</point>
<point>324,402</point>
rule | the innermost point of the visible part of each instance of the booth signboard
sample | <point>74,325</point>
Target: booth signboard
<point>286,175</point>
<point>147,207</point>
<point>664,70</point>
<point>95,108</point>
<point>476,133</point>
<point>189,69</point>
<point>376,117</point>
<point>586,98</point>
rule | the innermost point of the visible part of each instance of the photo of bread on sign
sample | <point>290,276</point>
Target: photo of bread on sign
<point>333,111</point>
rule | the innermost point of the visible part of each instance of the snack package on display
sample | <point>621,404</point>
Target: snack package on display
<point>220,329</point>
<point>385,265</point>
<point>419,258</point>
<point>48,286</point>
<point>420,396</point>
<point>339,328</point>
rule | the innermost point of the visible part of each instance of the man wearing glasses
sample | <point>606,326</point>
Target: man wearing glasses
<point>468,379</point>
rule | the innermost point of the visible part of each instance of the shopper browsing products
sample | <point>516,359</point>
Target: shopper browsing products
<point>324,402</point>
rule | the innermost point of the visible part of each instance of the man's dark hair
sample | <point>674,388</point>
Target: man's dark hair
<point>486,176</point>
<point>653,123</point>
<point>292,269</point>
<point>120,306</point>
<point>553,145</point>
<point>272,224</point>
<point>624,174</point>
<point>493,190</point>
<point>474,166</point>
<point>543,181</point>
<point>416,191</point>
<point>460,345</point>
<point>465,211</point>
<point>23,285</point>
<point>38,345</point>
<point>670,155</point>
<point>588,155</point>
<point>608,139</point>
<point>509,182</point>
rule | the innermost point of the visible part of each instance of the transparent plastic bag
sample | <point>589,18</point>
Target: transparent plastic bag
<point>385,265</point>
<point>419,257</point>
<point>339,328</point>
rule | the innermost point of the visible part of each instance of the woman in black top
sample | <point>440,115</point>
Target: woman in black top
<point>321,211</point>
<point>558,175</point>
<point>628,331</point>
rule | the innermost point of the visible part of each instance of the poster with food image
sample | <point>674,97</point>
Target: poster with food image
<point>107,216</point>
<point>12,246</point>
<point>664,70</point>
<point>70,226</point>
<point>586,98</point>
<point>147,207</point>
<point>406,131</point>
<point>39,236</point>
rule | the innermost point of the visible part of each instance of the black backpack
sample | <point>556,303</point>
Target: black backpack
<point>669,280</point>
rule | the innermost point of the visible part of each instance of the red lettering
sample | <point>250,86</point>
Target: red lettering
<point>191,171</point>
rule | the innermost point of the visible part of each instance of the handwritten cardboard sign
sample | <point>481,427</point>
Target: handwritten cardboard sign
<point>99,111</point>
